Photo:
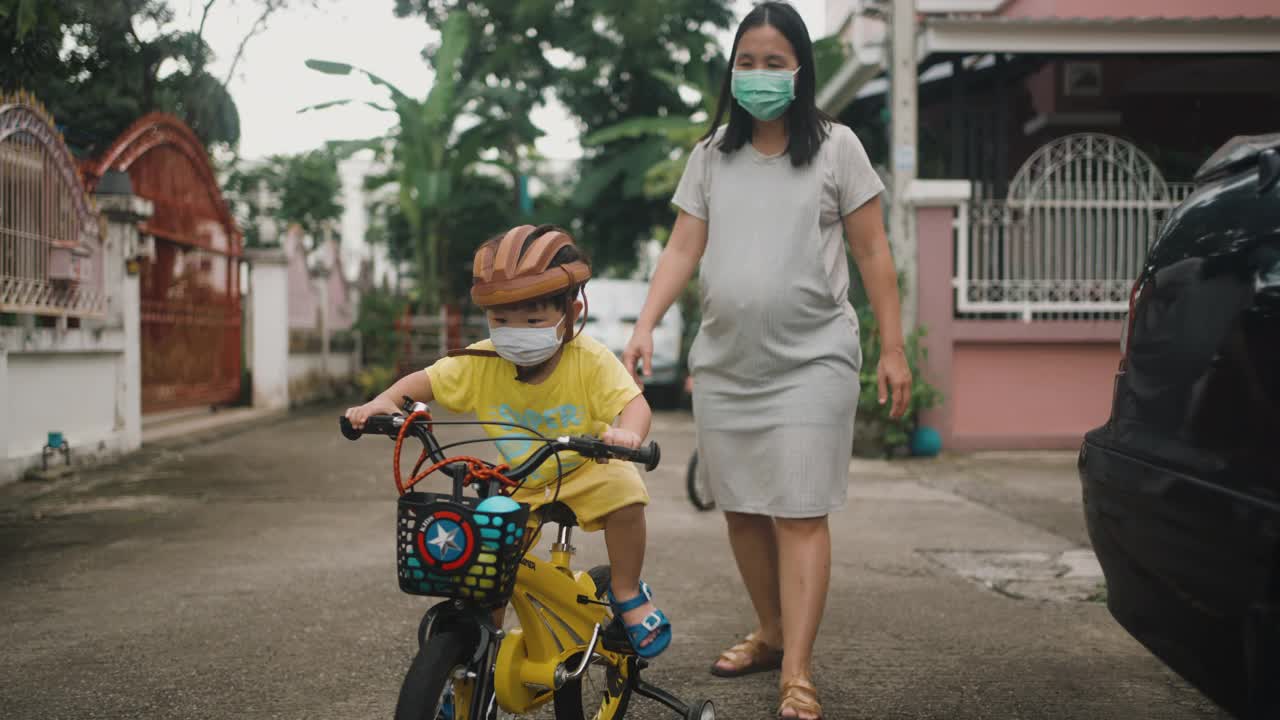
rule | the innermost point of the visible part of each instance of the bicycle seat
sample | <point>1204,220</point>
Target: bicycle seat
<point>558,513</point>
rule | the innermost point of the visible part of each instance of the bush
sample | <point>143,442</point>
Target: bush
<point>374,379</point>
<point>376,320</point>
<point>877,434</point>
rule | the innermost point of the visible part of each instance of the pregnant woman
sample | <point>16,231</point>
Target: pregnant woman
<point>766,204</point>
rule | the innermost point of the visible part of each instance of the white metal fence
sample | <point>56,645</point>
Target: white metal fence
<point>50,242</point>
<point>1071,236</point>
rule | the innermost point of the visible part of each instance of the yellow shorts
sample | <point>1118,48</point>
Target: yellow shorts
<point>592,492</point>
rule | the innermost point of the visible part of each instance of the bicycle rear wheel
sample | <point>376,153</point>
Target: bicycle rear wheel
<point>699,491</point>
<point>430,679</point>
<point>604,691</point>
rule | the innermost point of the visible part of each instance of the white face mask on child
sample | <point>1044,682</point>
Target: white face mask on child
<point>526,346</point>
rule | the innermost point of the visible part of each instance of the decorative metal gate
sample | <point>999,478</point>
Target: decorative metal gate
<point>1070,237</point>
<point>190,283</point>
<point>51,259</point>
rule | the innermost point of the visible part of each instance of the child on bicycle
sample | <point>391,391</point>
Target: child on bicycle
<point>537,372</point>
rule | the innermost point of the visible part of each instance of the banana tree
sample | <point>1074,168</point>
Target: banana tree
<point>658,147</point>
<point>653,167</point>
<point>430,152</point>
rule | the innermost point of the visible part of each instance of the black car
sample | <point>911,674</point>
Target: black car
<point>1182,484</point>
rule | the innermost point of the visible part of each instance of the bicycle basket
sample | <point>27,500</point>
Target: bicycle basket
<point>446,548</point>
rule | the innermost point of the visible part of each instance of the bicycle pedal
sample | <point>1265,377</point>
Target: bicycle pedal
<point>614,639</point>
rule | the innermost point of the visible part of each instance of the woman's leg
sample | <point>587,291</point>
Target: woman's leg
<point>804,552</point>
<point>755,547</point>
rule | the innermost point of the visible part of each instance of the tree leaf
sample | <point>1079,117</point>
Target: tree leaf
<point>27,16</point>
<point>329,67</point>
<point>632,164</point>
<point>828,56</point>
<point>637,127</point>
<point>346,148</point>
<point>455,37</point>
<point>324,105</point>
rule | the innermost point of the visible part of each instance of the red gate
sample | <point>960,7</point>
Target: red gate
<point>190,284</point>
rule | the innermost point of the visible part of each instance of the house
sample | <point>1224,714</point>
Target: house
<point>1052,138</point>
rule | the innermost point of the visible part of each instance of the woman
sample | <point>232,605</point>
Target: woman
<point>763,205</point>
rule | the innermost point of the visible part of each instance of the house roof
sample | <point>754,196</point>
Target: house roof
<point>1113,35</point>
<point>971,33</point>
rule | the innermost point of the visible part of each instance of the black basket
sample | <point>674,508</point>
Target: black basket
<point>444,548</point>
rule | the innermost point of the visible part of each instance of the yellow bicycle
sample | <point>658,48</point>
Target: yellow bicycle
<point>474,551</point>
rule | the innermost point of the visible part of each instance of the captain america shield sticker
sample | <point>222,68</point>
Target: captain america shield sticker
<point>446,541</point>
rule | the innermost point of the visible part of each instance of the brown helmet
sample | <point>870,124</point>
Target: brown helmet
<point>501,275</point>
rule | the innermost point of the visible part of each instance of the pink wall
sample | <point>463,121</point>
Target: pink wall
<point>1007,384</point>
<point>341,310</point>
<point>1014,395</point>
<point>304,306</point>
<point>1140,8</point>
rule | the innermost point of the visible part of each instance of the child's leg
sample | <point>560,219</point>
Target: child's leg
<point>624,536</point>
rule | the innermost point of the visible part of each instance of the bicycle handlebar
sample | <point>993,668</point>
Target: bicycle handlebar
<point>592,448</point>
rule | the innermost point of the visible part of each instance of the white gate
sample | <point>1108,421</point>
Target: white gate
<point>1070,237</point>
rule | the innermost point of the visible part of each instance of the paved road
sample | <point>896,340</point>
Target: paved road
<point>251,576</point>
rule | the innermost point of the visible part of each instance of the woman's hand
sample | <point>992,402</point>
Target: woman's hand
<point>377,406</point>
<point>622,437</point>
<point>894,374</point>
<point>639,348</point>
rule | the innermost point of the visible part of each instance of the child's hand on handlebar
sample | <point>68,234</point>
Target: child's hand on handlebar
<point>621,437</point>
<point>376,406</point>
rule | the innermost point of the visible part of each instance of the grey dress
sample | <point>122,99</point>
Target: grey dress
<point>777,355</point>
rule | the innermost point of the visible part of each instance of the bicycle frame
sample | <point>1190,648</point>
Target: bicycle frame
<point>560,620</point>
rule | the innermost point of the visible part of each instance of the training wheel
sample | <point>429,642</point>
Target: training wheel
<point>701,711</point>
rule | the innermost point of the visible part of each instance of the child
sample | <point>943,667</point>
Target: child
<point>535,371</point>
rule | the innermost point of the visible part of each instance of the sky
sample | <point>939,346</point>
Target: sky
<point>271,83</point>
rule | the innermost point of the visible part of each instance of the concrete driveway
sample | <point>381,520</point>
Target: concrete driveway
<point>252,576</point>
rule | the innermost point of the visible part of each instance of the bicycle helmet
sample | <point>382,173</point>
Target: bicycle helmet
<point>507,273</point>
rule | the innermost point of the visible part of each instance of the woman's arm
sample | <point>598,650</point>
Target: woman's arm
<point>676,265</point>
<point>864,230</point>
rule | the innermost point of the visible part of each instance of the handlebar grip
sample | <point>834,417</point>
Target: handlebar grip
<point>373,425</point>
<point>348,430</point>
<point>648,455</point>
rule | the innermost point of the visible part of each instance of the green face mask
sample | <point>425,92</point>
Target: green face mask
<point>765,94</point>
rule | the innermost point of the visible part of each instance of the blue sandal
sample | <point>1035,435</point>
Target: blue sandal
<point>654,621</point>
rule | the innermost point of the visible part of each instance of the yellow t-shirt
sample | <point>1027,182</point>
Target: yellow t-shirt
<point>582,396</point>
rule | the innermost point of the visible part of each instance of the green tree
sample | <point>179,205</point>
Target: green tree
<point>304,188</point>
<point>679,134</point>
<point>438,142</point>
<point>614,61</point>
<point>98,66</point>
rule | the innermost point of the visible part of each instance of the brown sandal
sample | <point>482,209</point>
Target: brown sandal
<point>800,696</point>
<point>750,656</point>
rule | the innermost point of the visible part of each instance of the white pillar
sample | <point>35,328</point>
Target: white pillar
<point>7,413</point>
<point>903,116</point>
<point>124,306</point>
<point>320,281</point>
<point>269,301</point>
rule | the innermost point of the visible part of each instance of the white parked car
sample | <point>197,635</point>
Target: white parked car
<point>613,307</point>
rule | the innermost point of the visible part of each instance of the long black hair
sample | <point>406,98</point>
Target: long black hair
<point>807,126</point>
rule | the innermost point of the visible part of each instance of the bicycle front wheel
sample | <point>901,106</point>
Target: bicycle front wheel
<point>427,691</point>
<point>604,690</point>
